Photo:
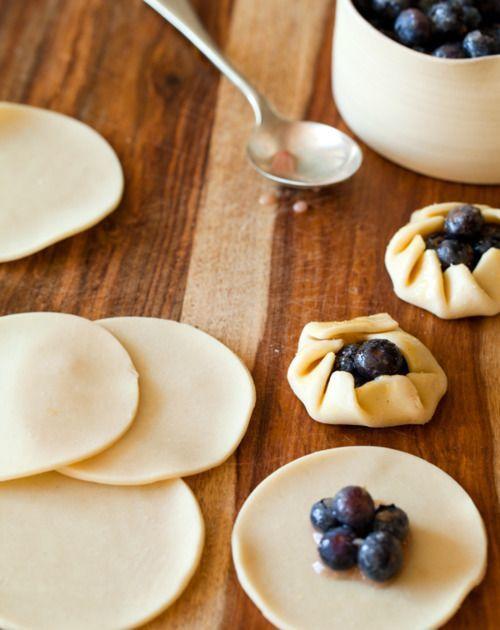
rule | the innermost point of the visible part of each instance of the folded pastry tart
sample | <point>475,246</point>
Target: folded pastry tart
<point>365,371</point>
<point>447,260</point>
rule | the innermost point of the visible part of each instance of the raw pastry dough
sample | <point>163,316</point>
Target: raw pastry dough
<point>331,397</point>
<point>57,177</point>
<point>418,278</point>
<point>196,401</point>
<point>83,556</point>
<point>274,550</point>
<point>68,390</point>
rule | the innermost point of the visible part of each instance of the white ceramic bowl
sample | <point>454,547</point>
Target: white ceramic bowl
<point>438,117</point>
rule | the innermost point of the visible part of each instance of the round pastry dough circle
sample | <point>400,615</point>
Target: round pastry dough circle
<point>57,177</point>
<point>196,401</point>
<point>68,391</point>
<point>274,550</point>
<point>80,555</point>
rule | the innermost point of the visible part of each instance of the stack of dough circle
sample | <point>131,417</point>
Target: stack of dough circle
<point>274,550</point>
<point>131,402</point>
<point>331,397</point>
<point>57,177</point>
<point>196,401</point>
<point>88,556</point>
<point>68,391</point>
<point>418,278</point>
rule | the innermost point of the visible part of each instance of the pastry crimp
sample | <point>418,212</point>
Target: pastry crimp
<point>407,394</point>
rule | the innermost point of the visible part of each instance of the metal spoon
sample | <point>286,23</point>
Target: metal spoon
<point>301,154</point>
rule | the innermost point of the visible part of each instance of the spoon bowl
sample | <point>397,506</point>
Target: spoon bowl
<point>303,154</point>
<point>300,154</point>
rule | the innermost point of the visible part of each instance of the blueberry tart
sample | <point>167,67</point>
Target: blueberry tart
<point>447,260</point>
<point>365,371</point>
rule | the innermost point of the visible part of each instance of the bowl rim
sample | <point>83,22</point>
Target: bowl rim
<point>422,56</point>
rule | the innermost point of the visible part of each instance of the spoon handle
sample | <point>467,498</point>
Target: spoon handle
<point>181,15</point>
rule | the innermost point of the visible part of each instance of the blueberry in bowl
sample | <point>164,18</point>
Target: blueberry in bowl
<point>408,86</point>
<point>447,29</point>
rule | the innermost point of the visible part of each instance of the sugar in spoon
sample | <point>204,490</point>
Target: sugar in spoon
<point>301,154</point>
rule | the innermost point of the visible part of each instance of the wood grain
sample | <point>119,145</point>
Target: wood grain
<point>191,242</point>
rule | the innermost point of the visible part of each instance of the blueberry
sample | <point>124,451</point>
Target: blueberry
<point>490,9</point>
<point>434,240</point>
<point>379,356</point>
<point>413,28</point>
<point>446,19</point>
<point>425,5</point>
<point>363,6</point>
<point>344,362</point>
<point>491,231</point>
<point>344,359</point>
<point>337,548</point>
<point>464,222</point>
<point>322,515</point>
<point>450,51</point>
<point>494,32</point>
<point>353,506</point>
<point>390,9</point>
<point>471,17</point>
<point>453,252</point>
<point>380,556</point>
<point>489,237</point>
<point>479,44</point>
<point>391,519</point>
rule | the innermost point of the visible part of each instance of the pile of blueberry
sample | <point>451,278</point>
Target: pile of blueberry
<point>465,239</point>
<point>451,29</point>
<point>357,533</point>
<point>367,360</point>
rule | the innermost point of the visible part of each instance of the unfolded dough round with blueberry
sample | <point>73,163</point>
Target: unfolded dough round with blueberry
<point>446,260</point>
<point>365,371</point>
<point>57,177</point>
<point>274,550</point>
<point>195,405</point>
<point>68,390</point>
<point>84,556</point>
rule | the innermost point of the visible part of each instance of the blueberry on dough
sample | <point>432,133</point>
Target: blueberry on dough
<point>321,515</point>
<point>434,240</point>
<point>380,556</point>
<point>337,548</point>
<point>353,506</point>
<point>413,28</point>
<point>393,520</point>
<point>489,237</point>
<point>453,252</point>
<point>344,362</point>
<point>464,222</point>
<point>377,357</point>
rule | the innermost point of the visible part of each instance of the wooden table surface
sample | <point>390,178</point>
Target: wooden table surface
<point>190,242</point>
